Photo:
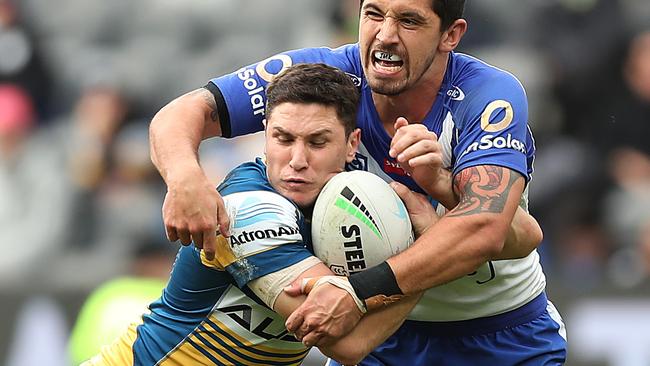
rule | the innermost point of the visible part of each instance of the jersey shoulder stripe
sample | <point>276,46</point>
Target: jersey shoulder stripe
<point>241,95</point>
<point>265,232</point>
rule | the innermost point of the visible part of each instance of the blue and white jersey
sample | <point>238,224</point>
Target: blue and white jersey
<point>480,117</point>
<point>207,315</point>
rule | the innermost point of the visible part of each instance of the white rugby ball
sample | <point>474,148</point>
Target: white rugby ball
<point>358,222</point>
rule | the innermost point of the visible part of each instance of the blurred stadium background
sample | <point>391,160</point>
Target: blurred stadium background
<point>80,201</point>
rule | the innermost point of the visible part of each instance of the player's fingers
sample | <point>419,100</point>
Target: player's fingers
<point>400,122</point>
<point>209,249</point>
<point>295,320</point>
<point>209,238</point>
<point>184,236</point>
<point>301,287</point>
<point>222,218</point>
<point>305,329</point>
<point>312,338</point>
<point>197,239</point>
<point>399,132</point>
<point>412,135</point>
<point>171,233</point>
<point>421,148</point>
<point>432,160</point>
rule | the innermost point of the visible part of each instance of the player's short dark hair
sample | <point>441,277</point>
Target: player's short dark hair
<point>447,10</point>
<point>316,83</point>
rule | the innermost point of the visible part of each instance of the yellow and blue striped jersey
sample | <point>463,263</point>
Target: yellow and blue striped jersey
<point>207,315</point>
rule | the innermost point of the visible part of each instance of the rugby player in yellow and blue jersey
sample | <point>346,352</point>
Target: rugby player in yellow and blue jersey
<point>231,310</point>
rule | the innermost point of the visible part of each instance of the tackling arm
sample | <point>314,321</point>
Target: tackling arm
<point>468,236</point>
<point>524,233</point>
<point>373,329</point>
<point>192,207</point>
<point>419,153</point>
<point>179,127</point>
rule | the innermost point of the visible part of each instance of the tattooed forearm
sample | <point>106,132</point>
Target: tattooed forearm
<point>209,100</point>
<point>483,189</point>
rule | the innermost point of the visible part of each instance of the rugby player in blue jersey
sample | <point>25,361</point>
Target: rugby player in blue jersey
<point>231,310</point>
<point>430,117</point>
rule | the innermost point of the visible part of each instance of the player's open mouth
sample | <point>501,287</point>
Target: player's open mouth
<point>387,62</point>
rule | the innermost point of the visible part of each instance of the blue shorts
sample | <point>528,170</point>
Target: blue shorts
<point>530,335</point>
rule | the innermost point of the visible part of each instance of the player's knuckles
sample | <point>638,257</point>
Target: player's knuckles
<point>178,223</point>
<point>305,327</point>
<point>434,159</point>
<point>201,226</point>
<point>426,146</point>
<point>295,320</point>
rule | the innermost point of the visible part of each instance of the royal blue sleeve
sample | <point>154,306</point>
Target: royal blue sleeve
<point>241,95</point>
<point>493,126</point>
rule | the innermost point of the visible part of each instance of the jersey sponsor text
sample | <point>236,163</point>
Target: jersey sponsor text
<point>248,236</point>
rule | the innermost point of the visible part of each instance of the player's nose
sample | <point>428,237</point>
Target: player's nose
<point>387,31</point>
<point>299,158</point>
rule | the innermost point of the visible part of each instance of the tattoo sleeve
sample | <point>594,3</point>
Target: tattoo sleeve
<point>482,189</point>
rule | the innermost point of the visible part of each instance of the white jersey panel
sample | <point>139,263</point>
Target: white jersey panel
<point>260,221</point>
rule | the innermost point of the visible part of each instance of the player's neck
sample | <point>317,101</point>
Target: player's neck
<point>415,103</point>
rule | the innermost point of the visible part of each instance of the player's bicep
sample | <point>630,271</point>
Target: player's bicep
<point>487,189</point>
<point>203,100</point>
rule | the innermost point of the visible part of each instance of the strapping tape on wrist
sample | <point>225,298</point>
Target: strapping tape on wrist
<point>376,286</point>
<point>308,284</point>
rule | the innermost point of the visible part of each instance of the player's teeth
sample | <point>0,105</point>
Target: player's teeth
<point>385,56</point>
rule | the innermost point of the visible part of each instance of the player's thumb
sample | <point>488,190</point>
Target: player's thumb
<point>400,122</point>
<point>303,287</point>
<point>409,199</point>
<point>420,210</point>
<point>294,289</point>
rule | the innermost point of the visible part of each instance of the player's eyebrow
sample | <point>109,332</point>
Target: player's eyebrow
<point>318,133</point>
<point>321,132</point>
<point>281,132</point>
<point>413,15</point>
<point>367,6</point>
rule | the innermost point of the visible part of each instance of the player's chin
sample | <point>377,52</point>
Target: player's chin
<point>385,86</point>
<point>303,199</point>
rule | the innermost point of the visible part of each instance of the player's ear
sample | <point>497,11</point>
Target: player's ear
<point>452,36</point>
<point>353,145</point>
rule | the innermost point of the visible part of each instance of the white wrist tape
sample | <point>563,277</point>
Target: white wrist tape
<point>338,281</point>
